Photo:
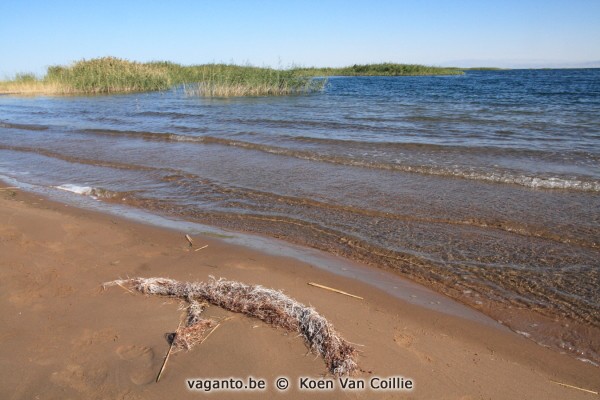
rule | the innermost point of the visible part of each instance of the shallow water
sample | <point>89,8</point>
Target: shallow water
<point>485,187</point>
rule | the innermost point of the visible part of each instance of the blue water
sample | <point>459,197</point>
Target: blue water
<point>484,186</point>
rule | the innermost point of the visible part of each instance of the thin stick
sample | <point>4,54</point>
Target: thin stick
<point>334,290</point>
<point>200,248</point>
<point>165,361</point>
<point>164,364</point>
<point>125,288</point>
<point>210,333</point>
<point>574,387</point>
<point>9,188</point>
<point>189,239</point>
<point>214,329</point>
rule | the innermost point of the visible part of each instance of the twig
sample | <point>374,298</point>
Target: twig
<point>165,361</point>
<point>200,248</point>
<point>164,364</point>
<point>209,333</point>
<point>9,188</point>
<point>334,290</point>
<point>574,387</point>
<point>189,239</point>
<point>214,329</point>
<point>125,288</point>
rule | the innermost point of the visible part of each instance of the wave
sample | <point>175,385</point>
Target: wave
<point>344,144</point>
<point>232,194</point>
<point>504,177</point>
<point>501,177</point>
<point>190,180</point>
<point>95,193</point>
<point>435,147</point>
<point>315,124</point>
<point>162,114</point>
<point>78,160</point>
<point>28,127</point>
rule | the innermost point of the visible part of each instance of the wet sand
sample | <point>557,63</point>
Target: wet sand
<point>62,337</point>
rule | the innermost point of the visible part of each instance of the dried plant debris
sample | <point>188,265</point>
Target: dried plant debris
<point>191,333</point>
<point>268,305</point>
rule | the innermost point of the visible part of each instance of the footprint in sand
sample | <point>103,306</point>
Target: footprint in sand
<point>143,376</point>
<point>141,357</point>
<point>138,353</point>
<point>406,342</point>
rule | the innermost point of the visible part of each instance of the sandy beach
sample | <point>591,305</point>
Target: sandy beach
<point>62,337</point>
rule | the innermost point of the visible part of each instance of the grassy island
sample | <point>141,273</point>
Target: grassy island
<point>115,75</point>
<point>383,69</point>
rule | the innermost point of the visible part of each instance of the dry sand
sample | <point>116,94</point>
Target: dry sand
<point>61,337</point>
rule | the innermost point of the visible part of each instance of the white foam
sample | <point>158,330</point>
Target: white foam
<point>585,360</point>
<point>527,335</point>
<point>83,190</point>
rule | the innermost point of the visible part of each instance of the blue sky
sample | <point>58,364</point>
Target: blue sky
<point>35,34</point>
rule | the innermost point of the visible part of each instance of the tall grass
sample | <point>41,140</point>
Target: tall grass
<point>26,83</point>
<point>114,75</point>
<point>223,80</point>
<point>109,75</point>
<point>100,75</point>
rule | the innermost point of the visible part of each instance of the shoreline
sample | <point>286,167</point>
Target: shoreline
<point>97,345</point>
<point>578,340</point>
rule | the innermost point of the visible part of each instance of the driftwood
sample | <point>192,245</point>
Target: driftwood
<point>334,290</point>
<point>268,305</point>
<point>574,387</point>
<point>189,239</point>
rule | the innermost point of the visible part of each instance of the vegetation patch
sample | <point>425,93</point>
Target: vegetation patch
<point>383,69</point>
<point>114,75</point>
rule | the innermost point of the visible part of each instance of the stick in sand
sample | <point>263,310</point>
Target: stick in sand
<point>574,387</point>
<point>164,364</point>
<point>189,239</point>
<point>200,248</point>
<point>334,290</point>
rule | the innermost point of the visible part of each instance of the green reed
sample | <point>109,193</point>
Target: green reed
<point>222,80</point>
<point>114,75</point>
<point>109,75</point>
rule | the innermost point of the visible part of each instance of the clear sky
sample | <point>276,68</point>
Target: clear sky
<point>35,34</point>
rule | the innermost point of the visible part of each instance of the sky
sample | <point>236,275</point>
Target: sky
<point>503,33</point>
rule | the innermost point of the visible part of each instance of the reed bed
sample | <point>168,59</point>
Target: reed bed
<point>218,80</point>
<point>268,305</point>
<point>30,88</point>
<point>113,75</point>
<point>109,75</point>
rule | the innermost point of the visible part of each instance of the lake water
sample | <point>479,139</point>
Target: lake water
<point>485,187</point>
